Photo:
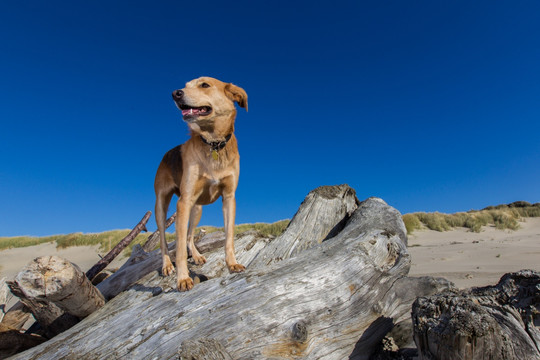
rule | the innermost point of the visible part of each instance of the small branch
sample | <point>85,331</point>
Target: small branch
<point>102,264</point>
<point>153,239</point>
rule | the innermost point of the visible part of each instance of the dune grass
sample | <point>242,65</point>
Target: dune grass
<point>108,239</point>
<point>501,216</point>
<point>105,240</point>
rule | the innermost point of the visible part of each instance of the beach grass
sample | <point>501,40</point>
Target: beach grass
<point>501,216</point>
<point>105,240</point>
<point>108,239</point>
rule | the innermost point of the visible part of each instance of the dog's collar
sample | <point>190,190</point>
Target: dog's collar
<point>217,145</point>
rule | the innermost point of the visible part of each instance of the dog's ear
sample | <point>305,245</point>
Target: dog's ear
<point>236,93</point>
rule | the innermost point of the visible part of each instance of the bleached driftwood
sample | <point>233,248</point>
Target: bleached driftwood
<point>493,322</point>
<point>322,214</point>
<point>324,210</point>
<point>57,292</point>
<point>328,300</point>
<point>51,318</point>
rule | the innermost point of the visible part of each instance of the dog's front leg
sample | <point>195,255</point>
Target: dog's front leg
<point>229,214</point>
<point>183,209</point>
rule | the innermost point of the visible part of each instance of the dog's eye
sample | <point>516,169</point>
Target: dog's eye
<point>205,85</point>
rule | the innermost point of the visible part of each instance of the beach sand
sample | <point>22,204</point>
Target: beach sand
<point>13,260</point>
<point>475,259</point>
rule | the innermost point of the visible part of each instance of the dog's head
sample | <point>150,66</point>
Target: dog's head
<point>207,104</point>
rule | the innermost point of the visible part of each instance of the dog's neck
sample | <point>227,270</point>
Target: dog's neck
<point>216,145</point>
<point>218,130</point>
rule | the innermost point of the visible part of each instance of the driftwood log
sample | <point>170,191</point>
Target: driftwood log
<point>57,293</point>
<point>493,322</point>
<point>315,300</point>
<point>111,255</point>
<point>324,210</point>
<point>12,341</point>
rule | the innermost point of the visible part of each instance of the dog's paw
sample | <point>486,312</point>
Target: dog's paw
<point>168,268</point>
<point>199,259</point>
<point>184,284</point>
<point>236,268</point>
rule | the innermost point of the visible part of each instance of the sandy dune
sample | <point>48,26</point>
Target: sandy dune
<point>465,258</point>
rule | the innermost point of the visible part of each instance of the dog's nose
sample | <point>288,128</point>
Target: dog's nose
<point>177,94</point>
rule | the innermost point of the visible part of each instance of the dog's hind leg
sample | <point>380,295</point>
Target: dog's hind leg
<point>162,204</point>
<point>194,218</point>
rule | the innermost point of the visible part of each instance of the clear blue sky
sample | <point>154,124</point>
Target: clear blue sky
<point>431,105</point>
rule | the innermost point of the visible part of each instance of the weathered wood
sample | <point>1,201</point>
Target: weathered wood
<point>4,297</point>
<point>211,241</point>
<point>327,301</point>
<point>16,316</point>
<point>102,264</point>
<point>13,342</point>
<point>322,214</point>
<point>139,264</point>
<point>142,263</point>
<point>207,349</point>
<point>153,239</point>
<point>493,322</point>
<point>54,279</point>
<point>57,293</point>
<point>52,319</point>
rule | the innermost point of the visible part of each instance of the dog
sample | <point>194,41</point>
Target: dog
<point>200,171</point>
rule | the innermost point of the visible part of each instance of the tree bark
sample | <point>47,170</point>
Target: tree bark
<point>102,264</point>
<point>493,322</point>
<point>315,300</point>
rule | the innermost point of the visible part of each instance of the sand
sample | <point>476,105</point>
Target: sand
<point>475,259</point>
<point>13,260</point>
<point>463,257</point>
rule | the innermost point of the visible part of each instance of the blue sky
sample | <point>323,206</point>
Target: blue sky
<point>431,105</point>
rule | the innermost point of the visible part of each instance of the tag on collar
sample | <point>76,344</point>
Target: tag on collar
<point>215,155</point>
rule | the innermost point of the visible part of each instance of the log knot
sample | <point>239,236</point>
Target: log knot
<point>300,331</point>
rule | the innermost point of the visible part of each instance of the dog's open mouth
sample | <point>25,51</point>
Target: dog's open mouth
<point>193,112</point>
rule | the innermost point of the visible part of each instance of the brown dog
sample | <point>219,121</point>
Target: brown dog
<point>200,171</point>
